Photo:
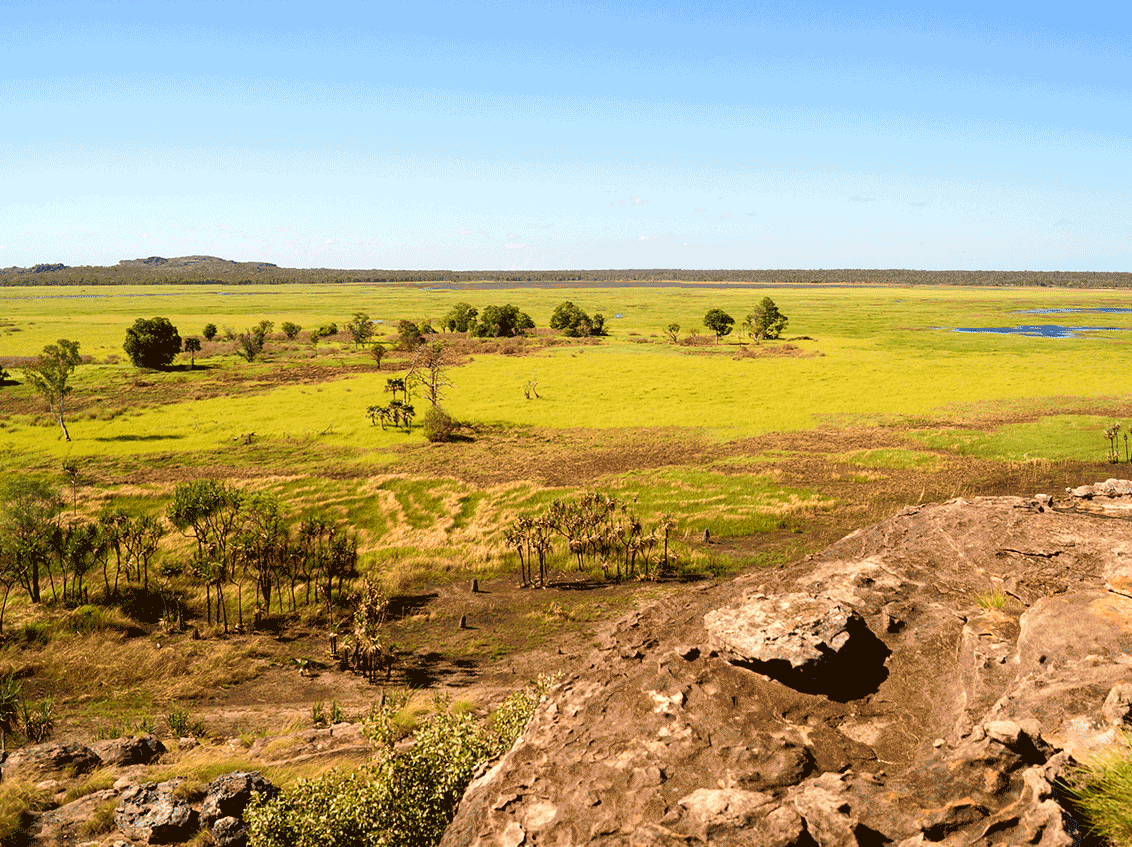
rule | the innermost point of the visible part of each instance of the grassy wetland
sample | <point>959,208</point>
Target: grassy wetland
<point>870,401</point>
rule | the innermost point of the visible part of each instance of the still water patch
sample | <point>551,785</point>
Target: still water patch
<point>1038,330</point>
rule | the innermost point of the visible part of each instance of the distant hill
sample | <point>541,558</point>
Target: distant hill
<point>198,262</point>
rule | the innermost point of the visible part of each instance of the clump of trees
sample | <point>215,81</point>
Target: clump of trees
<point>766,321</point>
<point>50,376</point>
<point>398,412</point>
<point>152,343</point>
<point>244,540</point>
<point>460,318</point>
<point>502,322</point>
<point>599,531</point>
<point>360,328</point>
<point>571,321</point>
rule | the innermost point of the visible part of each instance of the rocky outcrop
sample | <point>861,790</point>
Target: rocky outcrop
<point>925,680</point>
<point>51,760</point>
<point>124,752</point>
<point>152,814</point>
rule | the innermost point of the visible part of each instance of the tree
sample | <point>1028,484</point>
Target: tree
<point>409,334</point>
<point>428,369</point>
<point>378,352</point>
<point>719,322</point>
<point>502,322</point>
<point>50,374</point>
<point>290,329</point>
<point>192,347</point>
<point>152,343</point>
<point>572,321</point>
<point>460,318</point>
<point>673,331</point>
<point>209,332</point>
<point>766,320</point>
<point>360,328</point>
<point>28,513</point>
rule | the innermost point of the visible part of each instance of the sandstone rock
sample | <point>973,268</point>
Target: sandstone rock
<point>123,752</point>
<point>230,832</point>
<point>713,809</point>
<point>676,746</point>
<point>146,812</point>
<point>812,644</point>
<point>1117,707</point>
<point>40,761</point>
<point>228,795</point>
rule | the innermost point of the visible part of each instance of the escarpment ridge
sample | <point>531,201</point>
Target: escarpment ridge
<point>928,679</point>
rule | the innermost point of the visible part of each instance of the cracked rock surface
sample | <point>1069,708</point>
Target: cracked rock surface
<point>879,693</point>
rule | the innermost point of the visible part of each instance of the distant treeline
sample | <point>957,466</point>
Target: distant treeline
<point>222,272</point>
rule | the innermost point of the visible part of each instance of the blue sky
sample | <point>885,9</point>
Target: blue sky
<point>501,135</point>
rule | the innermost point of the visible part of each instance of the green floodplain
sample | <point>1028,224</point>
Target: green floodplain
<point>870,394</point>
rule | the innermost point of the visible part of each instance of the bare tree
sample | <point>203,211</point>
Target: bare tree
<point>429,369</point>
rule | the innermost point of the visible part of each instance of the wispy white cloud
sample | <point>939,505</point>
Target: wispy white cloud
<point>700,209</point>
<point>646,238</point>
<point>726,216</point>
<point>916,205</point>
<point>638,201</point>
<point>857,199</point>
<point>514,246</point>
<point>752,214</point>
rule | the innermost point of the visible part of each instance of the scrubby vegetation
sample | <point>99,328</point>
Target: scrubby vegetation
<point>406,797</point>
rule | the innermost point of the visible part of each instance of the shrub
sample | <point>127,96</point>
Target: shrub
<point>290,329</point>
<point>438,425</point>
<point>209,332</point>
<point>1102,789</point>
<point>181,725</point>
<point>405,797</point>
<point>572,321</point>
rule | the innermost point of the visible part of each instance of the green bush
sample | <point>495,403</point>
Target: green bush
<point>438,425</point>
<point>404,798</point>
<point>1102,790</point>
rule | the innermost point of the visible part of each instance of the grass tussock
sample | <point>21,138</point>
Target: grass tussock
<point>1102,789</point>
<point>18,802</point>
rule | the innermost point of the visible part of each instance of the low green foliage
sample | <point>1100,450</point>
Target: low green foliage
<point>991,600</point>
<point>181,725</point>
<point>404,798</point>
<point>1102,789</point>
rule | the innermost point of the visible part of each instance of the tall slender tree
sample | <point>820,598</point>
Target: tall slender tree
<point>50,377</point>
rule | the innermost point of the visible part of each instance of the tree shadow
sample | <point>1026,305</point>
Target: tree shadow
<point>429,669</point>
<point>404,605</point>
<point>139,438</point>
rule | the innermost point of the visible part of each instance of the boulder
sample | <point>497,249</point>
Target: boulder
<point>41,761</point>
<point>152,814</point>
<point>124,752</point>
<point>230,832</point>
<point>812,643</point>
<point>229,794</point>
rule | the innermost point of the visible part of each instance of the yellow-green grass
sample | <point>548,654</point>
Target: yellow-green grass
<point>877,356</point>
